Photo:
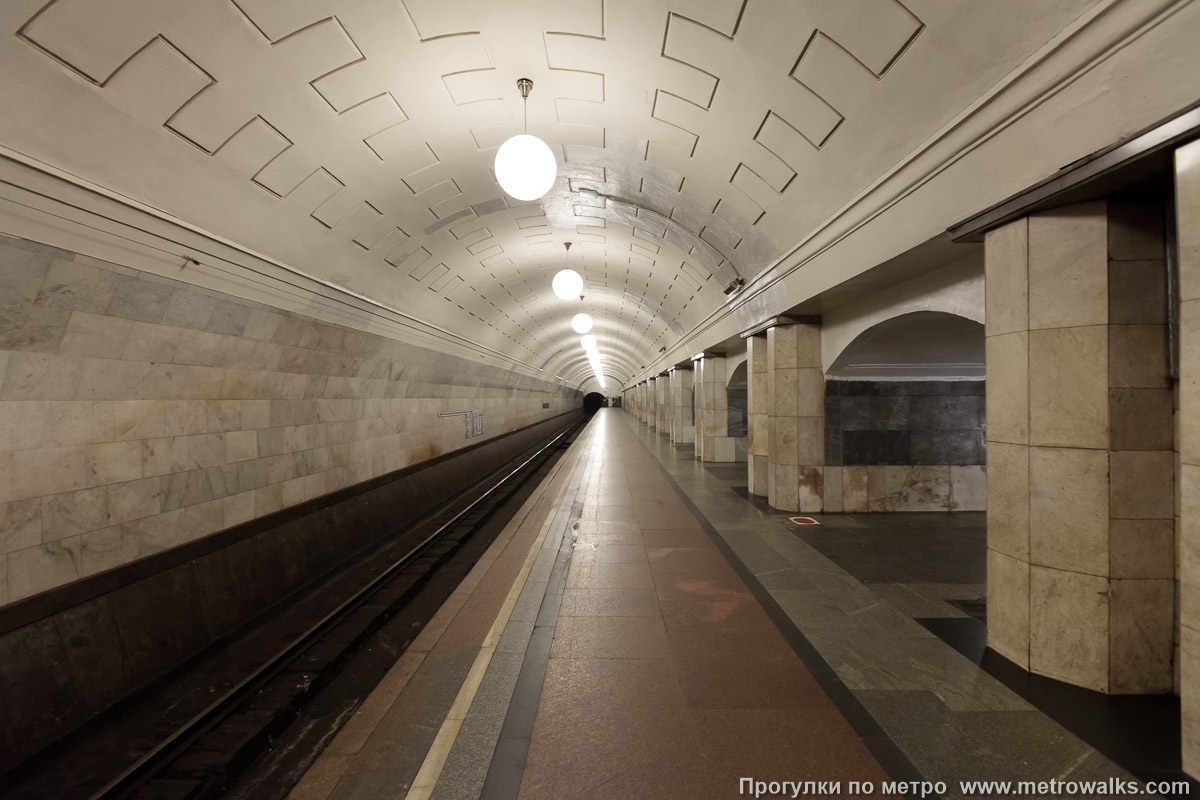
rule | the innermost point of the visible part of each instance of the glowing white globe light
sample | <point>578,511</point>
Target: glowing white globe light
<point>581,323</point>
<point>588,342</point>
<point>567,284</point>
<point>525,167</point>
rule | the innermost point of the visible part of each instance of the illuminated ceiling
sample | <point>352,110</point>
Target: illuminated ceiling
<point>353,139</point>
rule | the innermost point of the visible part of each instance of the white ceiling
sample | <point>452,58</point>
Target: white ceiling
<point>353,139</point>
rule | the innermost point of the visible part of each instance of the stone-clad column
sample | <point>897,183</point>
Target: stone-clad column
<point>683,423</point>
<point>796,422</point>
<point>1080,446</point>
<point>713,442</point>
<point>758,402</point>
<point>662,416</point>
<point>1187,211</point>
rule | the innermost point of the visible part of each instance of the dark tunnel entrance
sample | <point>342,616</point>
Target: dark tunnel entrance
<point>593,402</point>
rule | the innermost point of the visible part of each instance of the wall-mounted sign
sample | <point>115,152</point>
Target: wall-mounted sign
<point>474,420</point>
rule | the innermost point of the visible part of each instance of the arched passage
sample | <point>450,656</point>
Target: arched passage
<point>593,402</point>
<point>905,415</point>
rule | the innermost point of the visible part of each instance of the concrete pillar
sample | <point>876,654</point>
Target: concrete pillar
<point>1080,447</point>
<point>662,405</point>
<point>713,442</point>
<point>683,422</point>
<point>758,397</point>
<point>796,421</point>
<point>1187,222</point>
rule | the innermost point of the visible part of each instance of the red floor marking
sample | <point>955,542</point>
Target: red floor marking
<point>804,520</point>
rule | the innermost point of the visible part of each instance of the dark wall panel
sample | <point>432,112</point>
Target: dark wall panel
<point>904,422</point>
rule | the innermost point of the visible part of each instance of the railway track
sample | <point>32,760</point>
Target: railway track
<point>203,756</point>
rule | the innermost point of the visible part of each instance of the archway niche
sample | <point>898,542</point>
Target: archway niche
<point>905,415</point>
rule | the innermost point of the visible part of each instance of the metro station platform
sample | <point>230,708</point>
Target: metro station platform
<point>643,629</point>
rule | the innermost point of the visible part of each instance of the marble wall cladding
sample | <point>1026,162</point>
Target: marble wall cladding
<point>712,410</point>
<point>1008,500</point>
<point>796,420</point>
<point>663,405</point>
<point>138,413</point>
<point>1068,267</point>
<point>1069,627</point>
<point>1187,222</point>
<point>1008,607</point>
<point>758,408</point>
<point>1141,613</point>
<point>905,422</point>
<point>1082,484</point>
<point>683,423</point>
<point>1068,387</point>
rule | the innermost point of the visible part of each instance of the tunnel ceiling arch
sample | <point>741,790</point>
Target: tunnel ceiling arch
<point>353,139</point>
<point>922,345</point>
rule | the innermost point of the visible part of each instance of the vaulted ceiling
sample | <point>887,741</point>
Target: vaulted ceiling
<point>697,140</point>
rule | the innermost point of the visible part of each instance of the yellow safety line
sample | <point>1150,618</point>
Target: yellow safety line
<point>435,759</point>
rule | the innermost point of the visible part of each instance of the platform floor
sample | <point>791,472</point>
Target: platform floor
<point>644,629</point>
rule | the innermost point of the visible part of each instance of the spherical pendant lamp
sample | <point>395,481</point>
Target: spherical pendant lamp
<point>581,323</point>
<point>567,284</point>
<point>588,342</point>
<point>525,166</point>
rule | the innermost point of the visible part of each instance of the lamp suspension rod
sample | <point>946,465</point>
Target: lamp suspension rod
<point>525,86</point>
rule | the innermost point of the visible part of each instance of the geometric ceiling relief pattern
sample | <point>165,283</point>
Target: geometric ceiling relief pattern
<point>698,140</point>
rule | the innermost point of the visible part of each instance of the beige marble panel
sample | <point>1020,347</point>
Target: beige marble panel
<point>784,440</point>
<point>810,440</point>
<point>1068,509</point>
<point>1068,387</point>
<point>47,471</point>
<point>908,488</point>
<point>832,492</point>
<point>810,489</point>
<point>20,524</point>
<point>1142,484</point>
<point>1142,548</point>
<point>107,548</point>
<point>1008,499</point>
<point>1189,698</point>
<point>1137,356</point>
<point>810,392</point>
<point>1187,222</point>
<point>1006,258</point>
<point>968,488</point>
<point>808,345</point>
<point>1008,607</point>
<point>1068,267</point>
<point>784,394</point>
<point>1137,292</point>
<point>772,484</point>
<point>724,449</point>
<point>1188,418</point>
<point>71,513</point>
<point>1068,627</point>
<point>1188,547</point>
<point>855,495</point>
<point>781,348</point>
<point>37,569</point>
<point>1008,388</point>
<point>757,474</point>
<point>787,487</point>
<point>1141,419</point>
<point>114,462</point>
<point>1141,617</point>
